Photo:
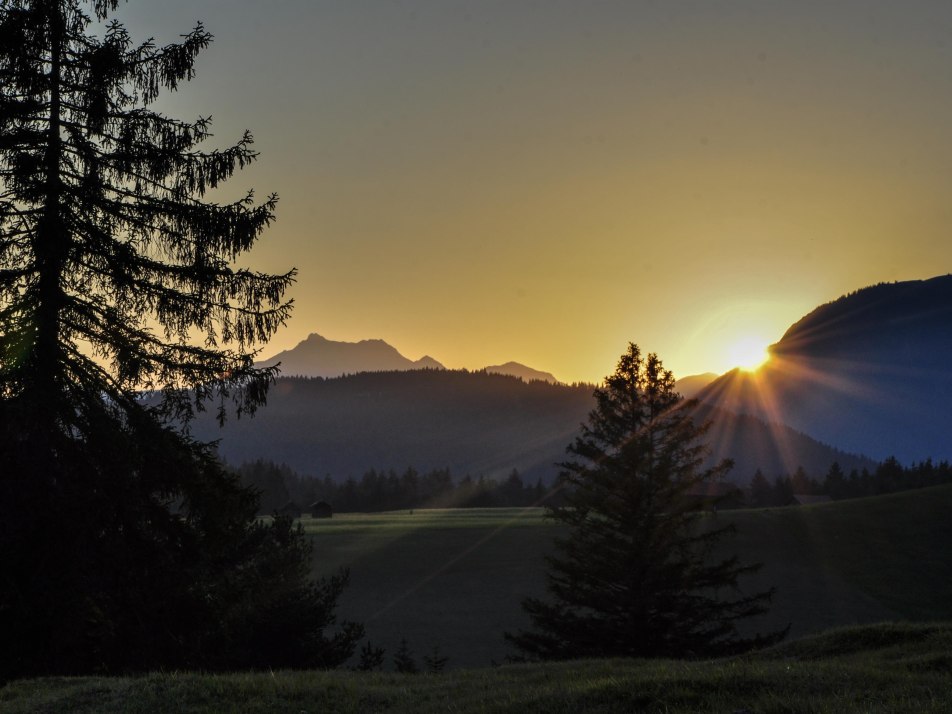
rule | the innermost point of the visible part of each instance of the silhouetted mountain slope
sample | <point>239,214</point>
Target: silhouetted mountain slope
<point>689,386</point>
<point>319,357</point>
<point>889,322</point>
<point>869,372</point>
<point>471,422</point>
<point>775,449</point>
<point>526,374</point>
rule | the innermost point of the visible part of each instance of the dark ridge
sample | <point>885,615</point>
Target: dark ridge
<point>868,372</point>
<point>475,423</point>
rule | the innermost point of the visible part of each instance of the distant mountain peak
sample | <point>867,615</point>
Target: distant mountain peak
<point>691,385</point>
<point>526,374</point>
<point>427,362</point>
<point>318,356</point>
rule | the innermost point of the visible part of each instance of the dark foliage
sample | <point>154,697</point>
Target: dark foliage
<point>124,544</point>
<point>887,477</point>
<point>277,617</point>
<point>403,660</point>
<point>278,484</point>
<point>371,658</point>
<point>435,662</point>
<point>634,576</point>
<point>759,490</point>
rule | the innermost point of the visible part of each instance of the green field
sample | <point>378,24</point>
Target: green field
<point>451,579</point>
<point>454,579</point>
<point>886,669</point>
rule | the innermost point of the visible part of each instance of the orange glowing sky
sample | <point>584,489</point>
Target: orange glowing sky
<point>545,181</point>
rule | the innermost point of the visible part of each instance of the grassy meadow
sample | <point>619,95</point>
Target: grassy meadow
<point>887,669</point>
<point>454,579</point>
<point>446,579</point>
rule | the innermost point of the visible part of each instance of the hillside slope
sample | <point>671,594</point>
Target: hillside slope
<point>526,374</point>
<point>688,387</point>
<point>868,372</point>
<point>473,423</point>
<point>470,422</point>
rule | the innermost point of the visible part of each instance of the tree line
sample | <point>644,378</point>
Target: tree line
<point>388,490</point>
<point>889,476</point>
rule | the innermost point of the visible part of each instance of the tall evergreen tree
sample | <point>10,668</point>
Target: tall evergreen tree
<point>634,576</point>
<point>760,491</point>
<point>834,485</point>
<point>123,541</point>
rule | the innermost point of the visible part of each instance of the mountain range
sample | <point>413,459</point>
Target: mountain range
<point>474,423</point>
<point>861,378</point>
<point>318,356</point>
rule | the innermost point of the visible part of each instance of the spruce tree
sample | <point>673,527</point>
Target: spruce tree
<point>635,575</point>
<point>403,660</point>
<point>759,489</point>
<point>123,543</point>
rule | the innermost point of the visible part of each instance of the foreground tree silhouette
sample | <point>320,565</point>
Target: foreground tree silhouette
<point>123,543</point>
<point>634,577</point>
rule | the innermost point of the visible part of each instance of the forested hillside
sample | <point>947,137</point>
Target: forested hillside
<point>469,422</point>
<point>868,372</point>
<point>472,423</point>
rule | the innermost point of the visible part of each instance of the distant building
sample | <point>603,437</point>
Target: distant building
<point>714,496</point>
<point>807,500</point>
<point>289,509</point>
<point>321,509</point>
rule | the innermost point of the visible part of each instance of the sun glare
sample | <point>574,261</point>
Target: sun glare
<point>748,353</point>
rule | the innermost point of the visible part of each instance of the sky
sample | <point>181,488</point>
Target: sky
<point>545,182</point>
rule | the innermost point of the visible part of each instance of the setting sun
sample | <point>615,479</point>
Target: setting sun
<point>748,353</point>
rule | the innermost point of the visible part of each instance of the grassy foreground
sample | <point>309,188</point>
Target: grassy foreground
<point>879,668</point>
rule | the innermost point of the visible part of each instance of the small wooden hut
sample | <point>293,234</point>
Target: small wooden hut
<point>321,509</point>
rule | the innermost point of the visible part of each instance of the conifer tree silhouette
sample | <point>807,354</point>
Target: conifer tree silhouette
<point>123,543</point>
<point>635,575</point>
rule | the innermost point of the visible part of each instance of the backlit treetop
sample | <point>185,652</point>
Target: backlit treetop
<point>638,572</point>
<point>116,276</point>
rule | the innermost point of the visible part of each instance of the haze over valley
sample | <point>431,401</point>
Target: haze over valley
<point>853,382</point>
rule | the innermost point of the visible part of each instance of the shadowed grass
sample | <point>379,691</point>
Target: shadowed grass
<point>455,578</point>
<point>868,669</point>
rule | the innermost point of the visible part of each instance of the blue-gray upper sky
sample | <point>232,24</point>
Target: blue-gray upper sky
<point>545,181</point>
